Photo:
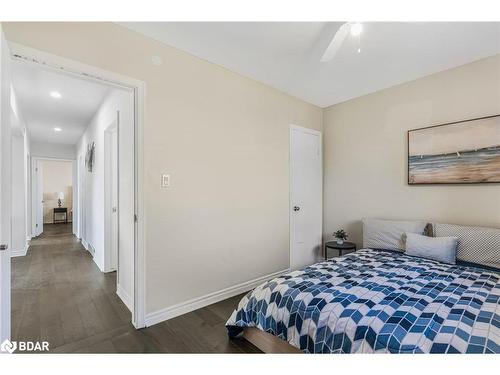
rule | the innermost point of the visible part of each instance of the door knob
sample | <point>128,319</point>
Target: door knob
<point>296,208</point>
<point>4,247</point>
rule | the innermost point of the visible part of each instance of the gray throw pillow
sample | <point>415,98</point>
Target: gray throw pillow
<point>442,249</point>
<point>389,234</point>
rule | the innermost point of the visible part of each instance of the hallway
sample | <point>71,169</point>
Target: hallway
<point>59,295</point>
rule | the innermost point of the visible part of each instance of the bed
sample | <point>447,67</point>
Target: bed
<point>377,301</point>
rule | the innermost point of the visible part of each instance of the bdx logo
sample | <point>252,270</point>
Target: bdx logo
<point>24,346</point>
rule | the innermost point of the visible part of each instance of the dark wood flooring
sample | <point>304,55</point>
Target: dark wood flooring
<point>59,295</point>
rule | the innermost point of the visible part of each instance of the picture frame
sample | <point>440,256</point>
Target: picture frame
<point>89,156</point>
<point>459,152</point>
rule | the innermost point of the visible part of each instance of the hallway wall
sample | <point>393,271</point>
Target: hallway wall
<point>21,200</point>
<point>52,150</point>
<point>18,197</point>
<point>122,101</point>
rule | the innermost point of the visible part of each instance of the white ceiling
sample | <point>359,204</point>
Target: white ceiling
<point>73,112</point>
<point>287,55</point>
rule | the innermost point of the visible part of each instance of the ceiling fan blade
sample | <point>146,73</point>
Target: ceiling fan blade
<point>336,42</point>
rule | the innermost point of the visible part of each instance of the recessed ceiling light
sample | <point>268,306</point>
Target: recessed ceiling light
<point>55,94</point>
<point>57,129</point>
<point>356,29</point>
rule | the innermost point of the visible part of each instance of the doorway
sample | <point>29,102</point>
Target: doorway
<point>53,193</point>
<point>306,191</point>
<point>132,211</point>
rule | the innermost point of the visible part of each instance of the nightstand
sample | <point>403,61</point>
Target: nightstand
<point>340,248</point>
<point>60,210</point>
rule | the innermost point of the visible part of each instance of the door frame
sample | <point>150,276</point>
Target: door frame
<point>29,199</point>
<point>302,129</point>
<point>83,71</point>
<point>5,189</point>
<point>108,233</point>
<point>34,199</point>
<point>34,188</point>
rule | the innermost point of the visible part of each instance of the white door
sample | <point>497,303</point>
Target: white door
<point>306,196</point>
<point>81,197</point>
<point>5,189</point>
<point>111,196</point>
<point>114,200</point>
<point>39,196</point>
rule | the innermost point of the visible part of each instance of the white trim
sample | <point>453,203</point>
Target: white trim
<point>20,253</point>
<point>139,311</point>
<point>83,71</point>
<point>306,130</point>
<point>85,245</point>
<point>197,303</point>
<point>125,297</point>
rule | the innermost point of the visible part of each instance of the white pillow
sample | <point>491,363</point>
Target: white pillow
<point>442,249</point>
<point>388,234</point>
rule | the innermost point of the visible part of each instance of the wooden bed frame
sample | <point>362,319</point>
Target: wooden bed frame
<point>267,342</point>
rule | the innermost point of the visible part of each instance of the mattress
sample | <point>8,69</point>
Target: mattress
<point>378,301</point>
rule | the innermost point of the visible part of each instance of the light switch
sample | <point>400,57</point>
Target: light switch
<point>165,180</point>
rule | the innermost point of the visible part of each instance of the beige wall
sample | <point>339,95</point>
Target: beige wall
<point>57,177</point>
<point>365,151</point>
<point>224,140</point>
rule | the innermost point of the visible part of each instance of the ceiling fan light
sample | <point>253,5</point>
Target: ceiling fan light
<point>356,29</point>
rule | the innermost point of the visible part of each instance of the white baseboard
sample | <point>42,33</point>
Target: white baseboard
<point>97,264</point>
<point>197,303</point>
<point>91,250</point>
<point>20,253</point>
<point>125,297</point>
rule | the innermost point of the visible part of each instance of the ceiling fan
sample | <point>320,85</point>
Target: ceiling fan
<point>353,28</point>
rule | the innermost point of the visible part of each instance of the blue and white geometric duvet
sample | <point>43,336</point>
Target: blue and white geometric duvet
<point>378,301</point>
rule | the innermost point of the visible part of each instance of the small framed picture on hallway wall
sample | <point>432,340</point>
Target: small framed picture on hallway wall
<point>89,156</point>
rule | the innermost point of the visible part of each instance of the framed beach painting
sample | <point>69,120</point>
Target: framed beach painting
<point>464,152</point>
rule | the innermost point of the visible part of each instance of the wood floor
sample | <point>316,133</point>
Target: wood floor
<point>60,296</point>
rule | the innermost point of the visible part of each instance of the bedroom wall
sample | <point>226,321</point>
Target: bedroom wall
<point>223,139</point>
<point>365,151</point>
